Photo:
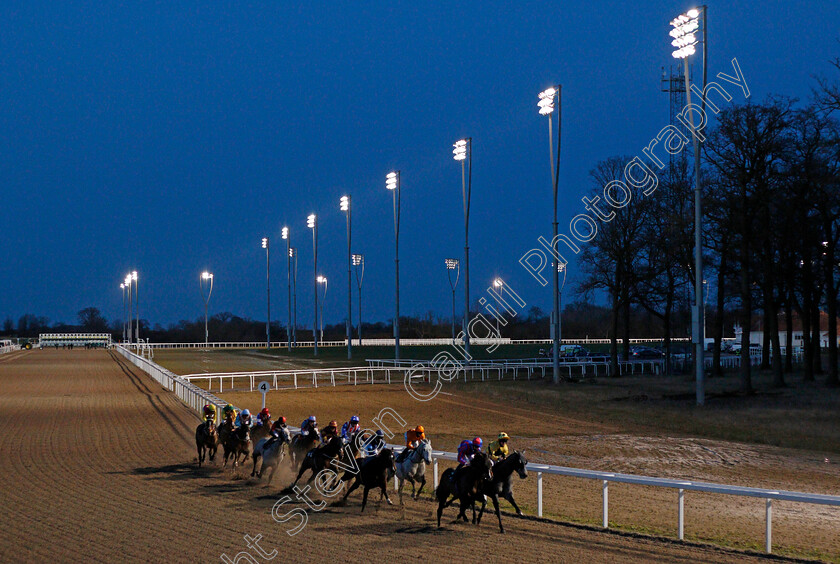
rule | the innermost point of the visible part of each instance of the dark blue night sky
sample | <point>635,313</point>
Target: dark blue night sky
<point>171,136</point>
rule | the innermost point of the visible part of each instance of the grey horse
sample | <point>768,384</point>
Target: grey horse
<point>413,468</point>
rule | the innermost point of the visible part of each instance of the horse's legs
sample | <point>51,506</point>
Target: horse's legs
<point>484,500</point>
<point>509,496</point>
<point>480,513</point>
<point>200,458</point>
<point>254,457</point>
<point>413,488</point>
<point>213,452</point>
<point>303,468</point>
<point>383,485</point>
<point>270,474</point>
<point>356,483</point>
<point>364,498</point>
<point>422,485</point>
<point>495,499</point>
<point>400,489</point>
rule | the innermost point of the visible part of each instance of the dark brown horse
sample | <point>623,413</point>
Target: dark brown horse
<point>319,458</point>
<point>302,444</point>
<point>467,488</point>
<point>206,440</point>
<point>238,444</point>
<point>373,473</point>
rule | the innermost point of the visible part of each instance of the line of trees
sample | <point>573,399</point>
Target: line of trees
<point>771,186</point>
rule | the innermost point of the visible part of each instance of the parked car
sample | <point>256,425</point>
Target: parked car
<point>573,351</point>
<point>644,353</point>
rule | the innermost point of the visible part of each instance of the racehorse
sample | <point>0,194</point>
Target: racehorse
<point>238,444</point>
<point>302,444</point>
<point>468,488</point>
<point>262,431</point>
<point>272,452</point>
<point>373,473</point>
<point>413,468</point>
<point>224,429</point>
<point>502,484</point>
<point>319,458</point>
<point>206,439</point>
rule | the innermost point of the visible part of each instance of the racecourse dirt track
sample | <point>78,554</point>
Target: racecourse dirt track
<point>98,465</point>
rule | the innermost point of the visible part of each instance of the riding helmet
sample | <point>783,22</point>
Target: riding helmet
<point>354,419</point>
<point>503,436</point>
<point>477,442</point>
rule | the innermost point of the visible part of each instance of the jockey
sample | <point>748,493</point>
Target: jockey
<point>308,424</point>
<point>375,446</point>
<point>279,424</point>
<point>468,449</point>
<point>263,417</point>
<point>244,419</point>
<point>498,449</point>
<point>229,413</point>
<point>329,432</point>
<point>412,441</point>
<point>209,413</point>
<point>350,428</point>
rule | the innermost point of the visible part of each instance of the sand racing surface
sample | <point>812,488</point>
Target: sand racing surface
<point>98,466</point>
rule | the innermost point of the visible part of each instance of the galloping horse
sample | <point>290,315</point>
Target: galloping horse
<point>373,473</point>
<point>413,468</point>
<point>272,452</point>
<point>467,489</point>
<point>259,432</point>
<point>502,484</point>
<point>206,439</point>
<point>238,444</point>
<point>302,444</point>
<point>320,458</point>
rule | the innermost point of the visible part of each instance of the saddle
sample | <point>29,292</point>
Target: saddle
<point>405,454</point>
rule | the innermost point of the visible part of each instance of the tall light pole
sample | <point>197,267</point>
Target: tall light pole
<point>322,280</point>
<point>284,233</point>
<point>136,305</point>
<point>453,264</point>
<point>392,183</point>
<point>312,223</point>
<point>206,281</point>
<point>498,283</point>
<point>546,106</point>
<point>344,204</point>
<point>122,287</point>
<point>130,312</point>
<point>462,152</point>
<point>685,27</point>
<point>266,246</point>
<point>293,256</point>
<point>359,264</point>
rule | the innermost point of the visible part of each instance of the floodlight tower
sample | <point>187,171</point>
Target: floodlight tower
<point>344,205</point>
<point>359,264</point>
<point>284,233</point>
<point>392,183</point>
<point>684,34</point>
<point>462,152</point>
<point>127,283</point>
<point>311,223</point>
<point>206,281</point>
<point>546,108</point>
<point>122,287</point>
<point>293,255</point>
<point>453,265</point>
<point>266,246</point>
<point>322,280</point>
<point>136,305</point>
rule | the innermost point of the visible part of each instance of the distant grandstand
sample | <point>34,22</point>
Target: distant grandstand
<point>64,340</point>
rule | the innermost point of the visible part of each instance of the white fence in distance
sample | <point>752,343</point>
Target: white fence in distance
<point>9,348</point>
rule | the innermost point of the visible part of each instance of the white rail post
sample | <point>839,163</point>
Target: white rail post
<point>539,494</point>
<point>435,463</point>
<point>606,504</point>
<point>768,533</point>
<point>681,519</point>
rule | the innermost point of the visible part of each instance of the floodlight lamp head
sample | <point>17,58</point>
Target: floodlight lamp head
<point>206,275</point>
<point>284,233</point>
<point>321,279</point>
<point>498,282</point>
<point>265,242</point>
<point>392,179</point>
<point>344,203</point>
<point>310,221</point>
<point>358,259</point>
<point>451,263</point>
<point>134,275</point>
<point>460,150</point>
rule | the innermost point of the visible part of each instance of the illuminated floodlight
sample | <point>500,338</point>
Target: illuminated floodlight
<point>284,233</point>
<point>683,33</point>
<point>310,221</point>
<point>206,275</point>
<point>265,242</point>
<point>122,286</point>
<point>358,259</point>
<point>498,282</point>
<point>321,279</point>
<point>392,179</point>
<point>344,203</point>
<point>561,266</point>
<point>292,251</point>
<point>452,264</point>
<point>546,100</point>
<point>460,150</point>
<point>134,276</point>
